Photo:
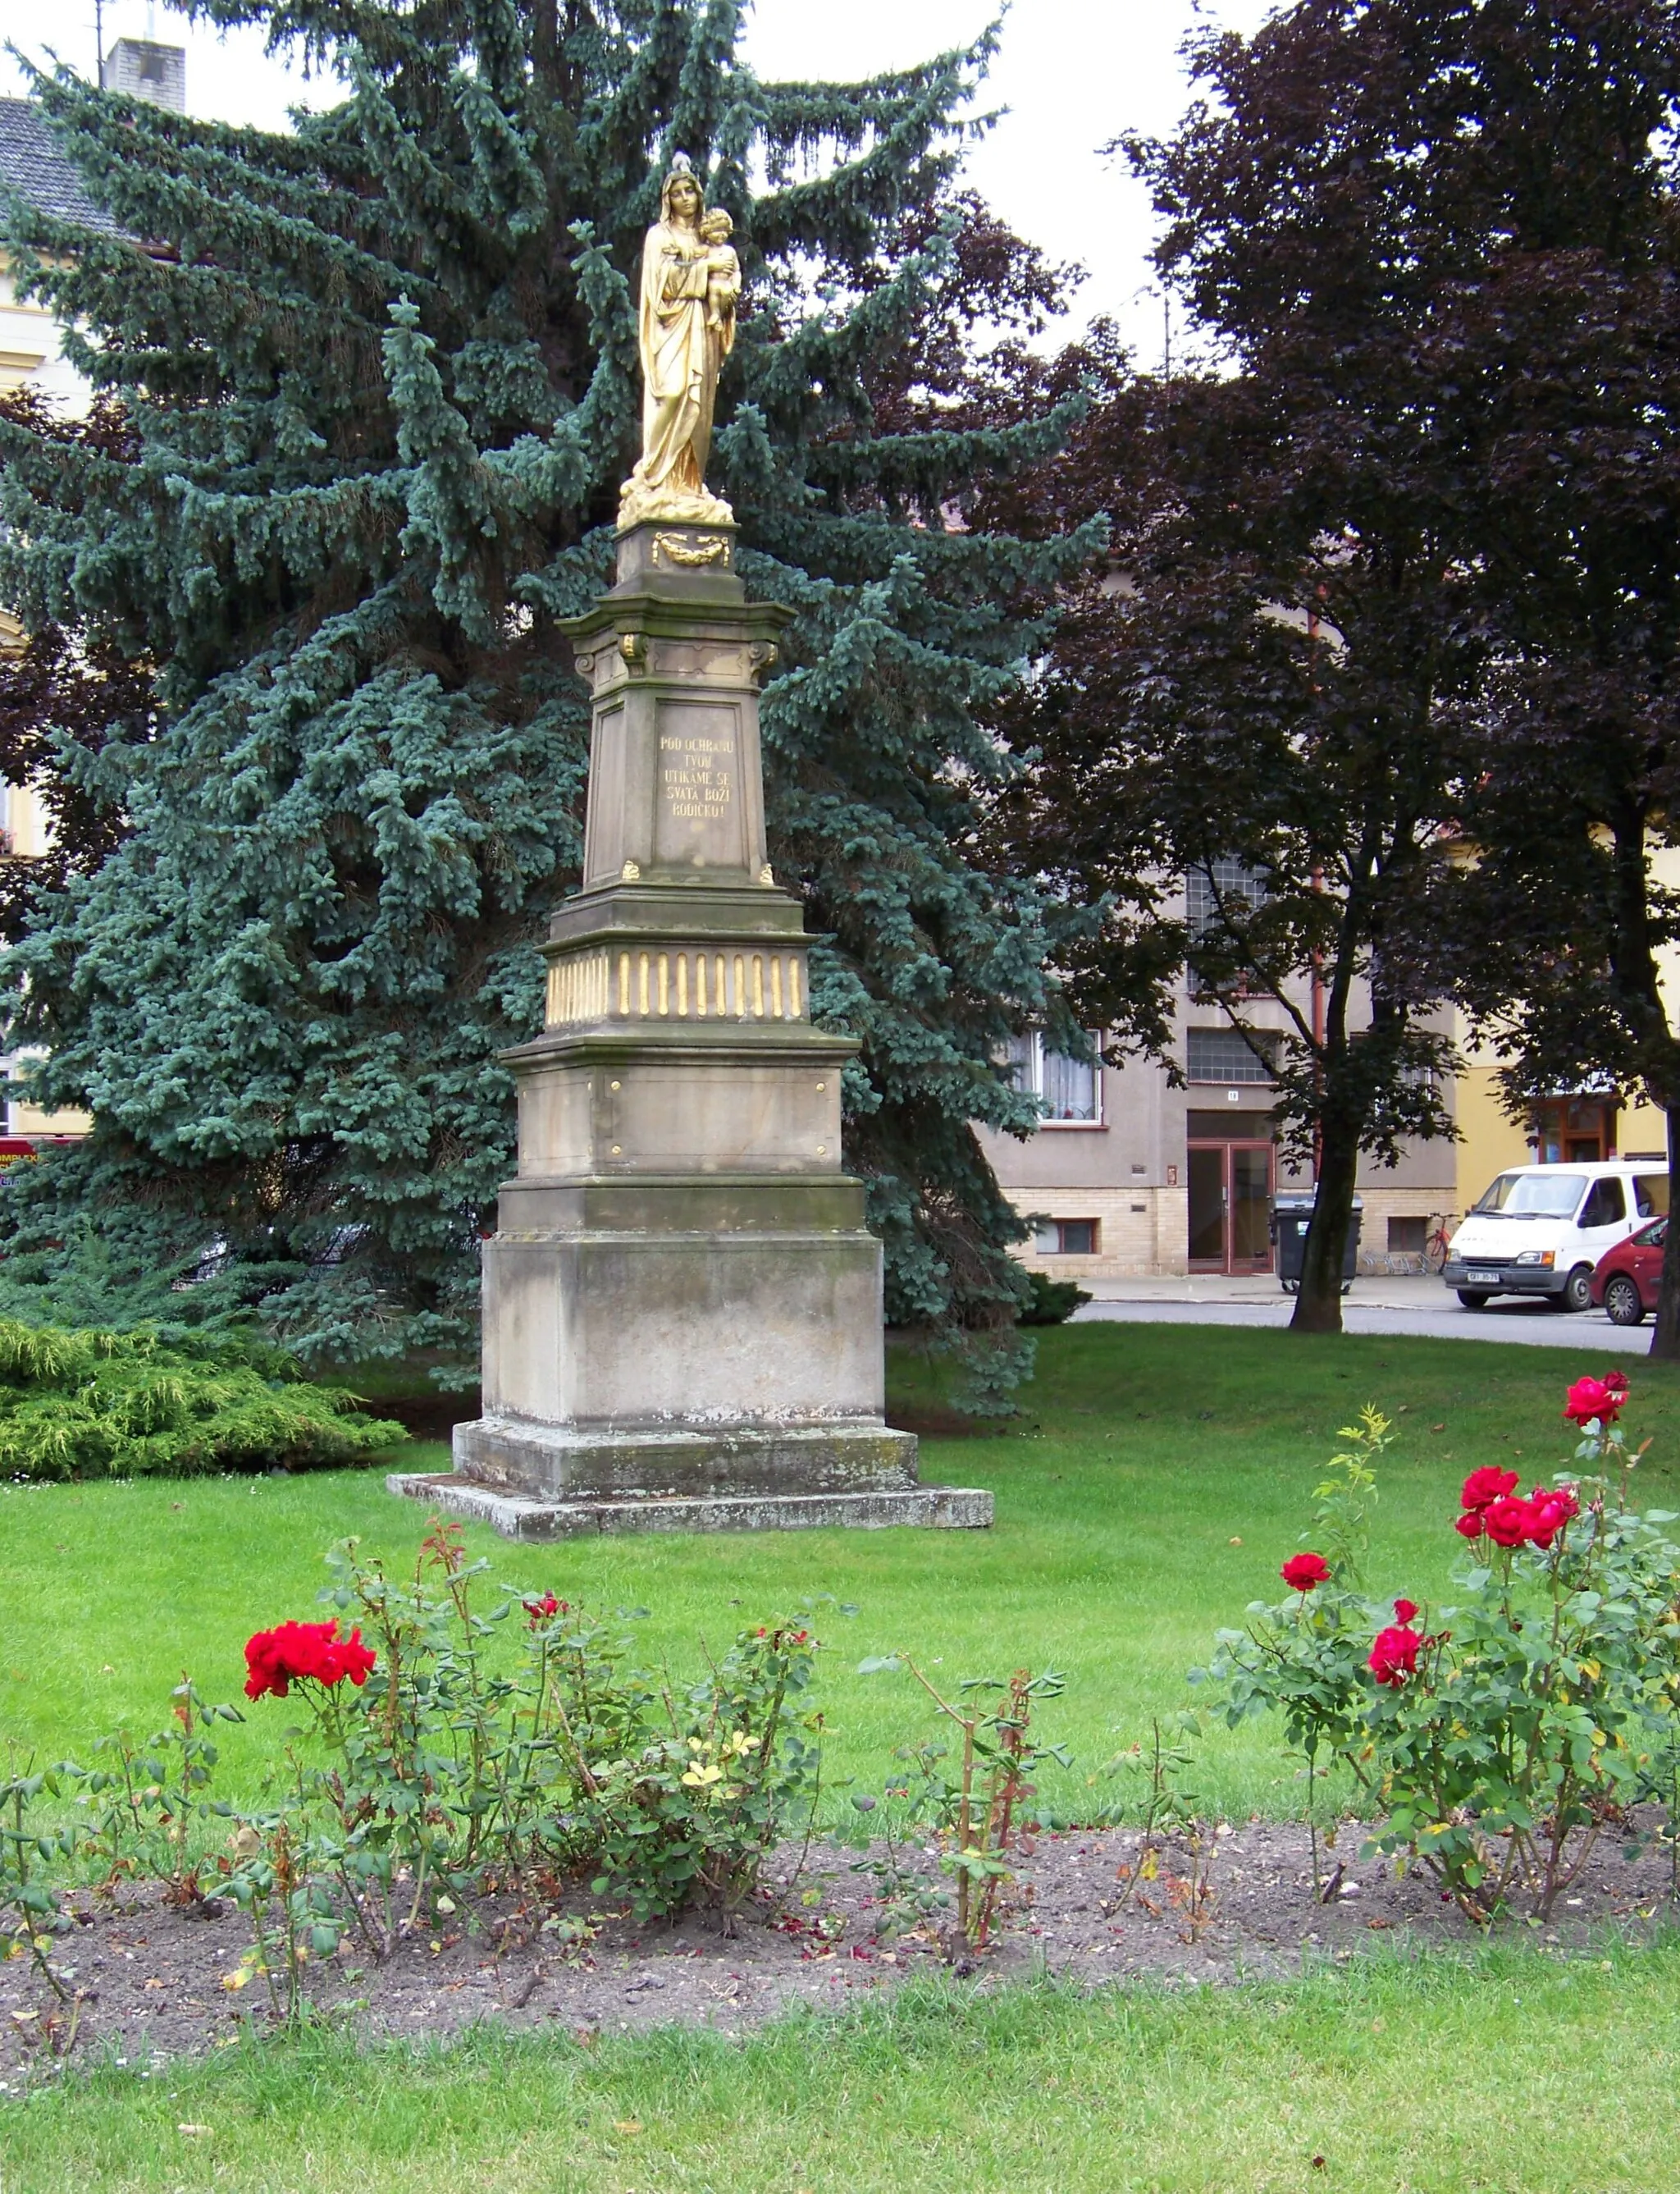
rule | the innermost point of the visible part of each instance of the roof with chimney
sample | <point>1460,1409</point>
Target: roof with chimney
<point>34,166</point>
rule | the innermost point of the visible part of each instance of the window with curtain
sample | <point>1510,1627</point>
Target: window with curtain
<point>1070,1089</point>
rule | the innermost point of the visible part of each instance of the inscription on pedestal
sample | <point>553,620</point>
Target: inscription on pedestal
<point>698,815</point>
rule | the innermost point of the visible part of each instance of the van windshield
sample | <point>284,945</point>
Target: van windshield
<point>1534,1195</point>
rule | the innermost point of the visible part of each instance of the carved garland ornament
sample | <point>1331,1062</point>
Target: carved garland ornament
<point>673,549</point>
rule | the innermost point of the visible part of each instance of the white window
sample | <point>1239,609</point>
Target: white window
<point>1069,1089</point>
<point>1066,1237</point>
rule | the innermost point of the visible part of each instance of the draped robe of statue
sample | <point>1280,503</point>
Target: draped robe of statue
<point>681,358</point>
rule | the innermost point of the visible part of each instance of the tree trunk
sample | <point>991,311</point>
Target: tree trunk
<point>1318,1307</point>
<point>1665,1340</point>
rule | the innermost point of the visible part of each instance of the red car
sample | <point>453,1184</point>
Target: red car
<point>1626,1278</point>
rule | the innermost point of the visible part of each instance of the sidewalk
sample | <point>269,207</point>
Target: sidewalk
<point>1371,1290</point>
<point>1379,1303</point>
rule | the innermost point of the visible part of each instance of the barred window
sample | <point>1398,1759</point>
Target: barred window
<point>1223,1055</point>
<point>1216,884</point>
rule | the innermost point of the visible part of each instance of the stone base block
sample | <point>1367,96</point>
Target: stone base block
<point>523,1516</point>
<point>564,1462</point>
<point>680,1327</point>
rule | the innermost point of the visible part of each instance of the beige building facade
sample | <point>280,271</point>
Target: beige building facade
<point>1130,1175</point>
<point>32,356</point>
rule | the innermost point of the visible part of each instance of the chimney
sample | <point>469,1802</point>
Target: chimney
<point>146,70</point>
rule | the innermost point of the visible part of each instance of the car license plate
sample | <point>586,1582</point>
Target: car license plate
<point>1482,1279</point>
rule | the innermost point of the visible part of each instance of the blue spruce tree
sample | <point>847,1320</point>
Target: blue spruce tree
<point>380,378</point>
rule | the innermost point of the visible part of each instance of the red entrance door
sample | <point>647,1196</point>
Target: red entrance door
<point>1230,1188</point>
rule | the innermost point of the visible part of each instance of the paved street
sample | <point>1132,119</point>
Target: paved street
<point>1377,1305</point>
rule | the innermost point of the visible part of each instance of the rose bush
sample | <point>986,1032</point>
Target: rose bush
<point>448,1763</point>
<point>1496,1743</point>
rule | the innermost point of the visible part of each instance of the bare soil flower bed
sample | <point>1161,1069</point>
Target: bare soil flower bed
<point>152,1976</point>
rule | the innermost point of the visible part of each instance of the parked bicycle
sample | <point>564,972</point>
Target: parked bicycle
<point>1412,1264</point>
<point>1437,1247</point>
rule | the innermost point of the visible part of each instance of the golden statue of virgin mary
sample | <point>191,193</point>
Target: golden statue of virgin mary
<point>691,285</point>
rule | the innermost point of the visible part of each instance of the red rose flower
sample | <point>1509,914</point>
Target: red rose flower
<point>298,1652</point>
<point>1470,1524</point>
<point>352,1659</point>
<point>1394,1656</point>
<point>1597,1400</point>
<point>1550,1510</point>
<point>544,1608</point>
<point>1507,1521</point>
<point>1486,1485</point>
<point>1305,1572</point>
<point>1405,1611</point>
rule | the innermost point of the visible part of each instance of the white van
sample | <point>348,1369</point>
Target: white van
<point>1541,1229</point>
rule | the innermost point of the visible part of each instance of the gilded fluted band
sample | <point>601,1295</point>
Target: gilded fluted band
<point>676,983</point>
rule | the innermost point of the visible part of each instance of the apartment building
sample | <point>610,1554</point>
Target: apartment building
<point>1128,1175</point>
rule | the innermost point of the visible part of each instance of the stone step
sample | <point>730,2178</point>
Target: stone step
<point>521,1516</point>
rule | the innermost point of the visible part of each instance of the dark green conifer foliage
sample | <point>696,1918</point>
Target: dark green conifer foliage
<point>383,382</point>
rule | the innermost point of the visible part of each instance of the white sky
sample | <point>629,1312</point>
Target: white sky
<point>1072,74</point>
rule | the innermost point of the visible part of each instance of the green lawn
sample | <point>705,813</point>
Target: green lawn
<point>1506,2074</point>
<point>1158,1477</point>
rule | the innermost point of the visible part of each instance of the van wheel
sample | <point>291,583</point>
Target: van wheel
<point>1622,1302</point>
<point>1578,1288</point>
<point>1472,1299</point>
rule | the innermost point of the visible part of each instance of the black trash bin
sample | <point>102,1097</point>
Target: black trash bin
<point>1291,1216</point>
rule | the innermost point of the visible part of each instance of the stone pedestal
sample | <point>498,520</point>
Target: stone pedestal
<point>682,1310</point>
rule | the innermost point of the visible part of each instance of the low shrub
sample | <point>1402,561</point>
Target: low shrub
<point>1496,1739</point>
<point>1052,1302</point>
<point>101,1405</point>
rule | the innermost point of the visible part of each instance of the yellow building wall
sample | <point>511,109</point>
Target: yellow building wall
<point>1642,1132</point>
<point>1491,1138</point>
<point>31,1120</point>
